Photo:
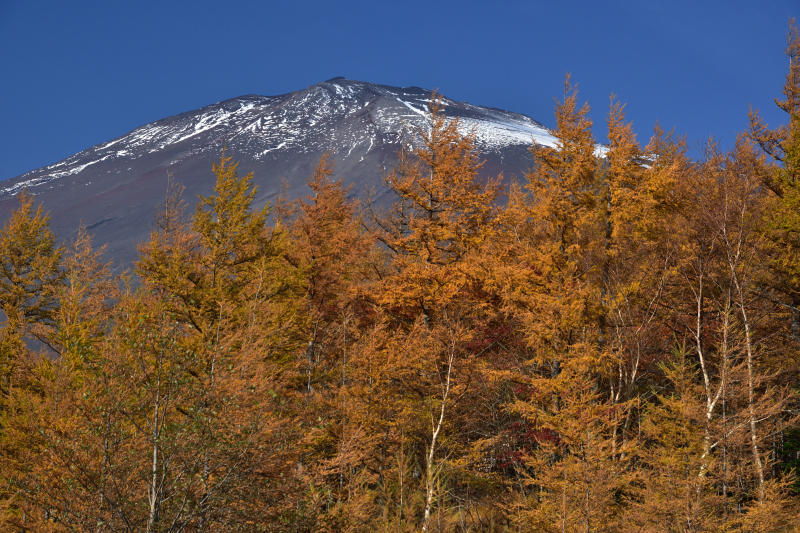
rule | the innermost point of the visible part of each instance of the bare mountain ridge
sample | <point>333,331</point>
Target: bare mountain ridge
<point>112,188</point>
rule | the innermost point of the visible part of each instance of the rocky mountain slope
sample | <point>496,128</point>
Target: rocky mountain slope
<point>112,188</point>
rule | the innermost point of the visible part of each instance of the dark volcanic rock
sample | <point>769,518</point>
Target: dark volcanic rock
<point>112,188</point>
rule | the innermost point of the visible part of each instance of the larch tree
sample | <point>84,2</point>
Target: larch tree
<point>781,145</point>
<point>217,258</point>
<point>29,275</point>
<point>565,237</point>
<point>429,292</point>
<point>225,277</point>
<point>331,253</point>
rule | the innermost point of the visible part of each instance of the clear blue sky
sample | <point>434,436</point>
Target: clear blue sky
<point>75,74</point>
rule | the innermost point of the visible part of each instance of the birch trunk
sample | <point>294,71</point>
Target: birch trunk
<point>436,427</point>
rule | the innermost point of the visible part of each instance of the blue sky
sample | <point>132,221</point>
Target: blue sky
<point>76,74</point>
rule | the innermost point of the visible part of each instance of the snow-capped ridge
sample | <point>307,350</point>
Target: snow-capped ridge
<point>336,115</point>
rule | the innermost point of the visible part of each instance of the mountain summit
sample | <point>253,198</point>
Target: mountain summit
<point>112,188</point>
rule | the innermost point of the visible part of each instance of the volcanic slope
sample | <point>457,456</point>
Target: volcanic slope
<point>114,187</point>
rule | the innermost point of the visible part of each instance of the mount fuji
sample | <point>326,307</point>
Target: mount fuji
<point>113,188</point>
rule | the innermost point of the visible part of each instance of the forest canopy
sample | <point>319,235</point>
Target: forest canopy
<point>610,344</point>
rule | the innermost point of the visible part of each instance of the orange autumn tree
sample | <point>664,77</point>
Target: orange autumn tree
<point>146,422</point>
<point>582,278</point>
<point>449,214</point>
<point>333,254</point>
<point>29,276</point>
<point>331,250</point>
<point>409,377</point>
<point>132,440</point>
<point>781,146</point>
<point>560,263</point>
<point>225,277</point>
<point>220,258</point>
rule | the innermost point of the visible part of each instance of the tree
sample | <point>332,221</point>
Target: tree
<point>781,146</point>
<point>781,175</point>
<point>29,278</point>
<point>443,212</point>
<point>132,441</point>
<point>410,370</point>
<point>668,494</point>
<point>332,252</point>
<point>29,275</point>
<point>563,240</point>
<point>84,299</point>
<point>225,257</point>
<point>164,412</point>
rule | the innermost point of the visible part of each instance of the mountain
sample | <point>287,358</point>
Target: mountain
<point>113,188</point>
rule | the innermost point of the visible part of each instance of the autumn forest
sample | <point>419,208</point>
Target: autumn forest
<point>610,343</point>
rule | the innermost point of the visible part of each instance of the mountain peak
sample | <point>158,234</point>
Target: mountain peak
<point>115,186</point>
